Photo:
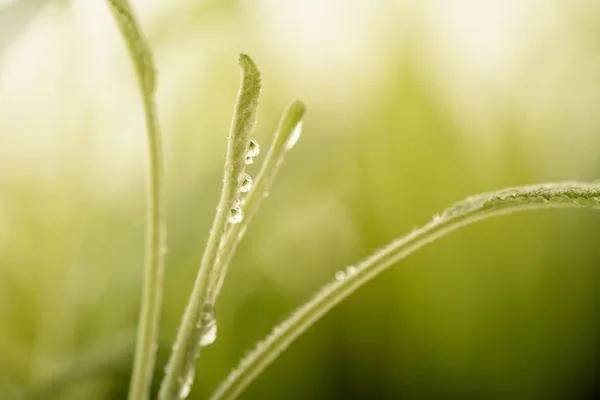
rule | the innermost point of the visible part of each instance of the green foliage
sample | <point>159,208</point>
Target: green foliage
<point>198,326</point>
<point>156,240</point>
<point>470,210</point>
<point>234,212</point>
<point>289,126</point>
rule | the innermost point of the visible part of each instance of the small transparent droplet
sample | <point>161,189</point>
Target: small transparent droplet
<point>208,325</point>
<point>249,160</point>
<point>253,148</point>
<point>245,183</point>
<point>236,215</point>
<point>586,202</point>
<point>340,275</point>
<point>351,270</point>
<point>185,384</point>
<point>294,136</point>
<point>437,217</point>
<point>209,333</point>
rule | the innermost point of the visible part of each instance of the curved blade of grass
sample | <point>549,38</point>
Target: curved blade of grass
<point>473,209</point>
<point>145,357</point>
<point>199,313</point>
<point>289,127</point>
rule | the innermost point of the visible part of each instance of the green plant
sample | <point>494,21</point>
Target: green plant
<point>198,327</point>
<point>147,336</point>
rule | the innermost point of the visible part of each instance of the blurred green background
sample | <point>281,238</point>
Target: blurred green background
<point>412,106</point>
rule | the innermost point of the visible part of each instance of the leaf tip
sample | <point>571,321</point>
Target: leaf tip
<point>247,64</point>
<point>298,109</point>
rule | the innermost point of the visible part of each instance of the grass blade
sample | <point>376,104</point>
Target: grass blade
<point>473,209</point>
<point>198,326</point>
<point>287,131</point>
<point>145,357</point>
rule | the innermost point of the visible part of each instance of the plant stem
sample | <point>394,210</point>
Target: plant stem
<point>473,209</point>
<point>199,313</point>
<point>289,124</point>
<point>147,335</point>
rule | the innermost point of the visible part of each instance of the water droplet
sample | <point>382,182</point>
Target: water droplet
<point>586,202</point>
<point>294,136</point>
<point>249,160</point>
<point>185,383</point>
<point>340,275</point>
<point>437,217</point>
<point>209,333</point>
<point>351,270</point>
<point>245,183</point>
<point>208,325</point>
<point>236,215</point>
<point>253,149</point>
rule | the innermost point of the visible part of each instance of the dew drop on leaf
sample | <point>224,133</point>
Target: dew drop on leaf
<point>245,183</point>
<point>236,215</point>
<point>294,136</point>
<point>185,384</point>
<point>209,333</point>
<point>586,202</point>
<point>207,325</point>
<point>253,149</point>
<point>340,275</point>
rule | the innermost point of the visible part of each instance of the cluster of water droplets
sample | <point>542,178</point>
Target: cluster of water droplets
<point>236,215</point>
<point>342,274</point>
<point>253,151</point>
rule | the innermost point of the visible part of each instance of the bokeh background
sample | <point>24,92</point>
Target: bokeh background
<point>412,106</point>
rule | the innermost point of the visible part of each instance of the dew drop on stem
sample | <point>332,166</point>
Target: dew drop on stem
<point>209,333</point>
<point>236,215</point>
<point>586,202</point>
<point>253,149</point>
<point>245,183</point>
<point>185,383</point>
<point>207,324</point>
<point>294,136</point>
